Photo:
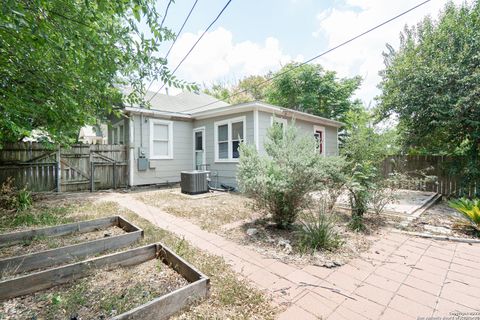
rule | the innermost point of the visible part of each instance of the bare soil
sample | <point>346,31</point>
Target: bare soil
<point>45,243</point>
<point>442,220</point>
<point>102,295</point>
<point>270,240</point>
<point>209,211</point>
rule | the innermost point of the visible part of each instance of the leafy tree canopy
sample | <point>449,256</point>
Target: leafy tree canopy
<point>308,88</point>
<point>61,62</point>
<point>432,84</point>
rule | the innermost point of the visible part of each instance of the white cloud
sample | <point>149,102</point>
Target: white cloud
<point>364,56</point>
<point>217,57</point>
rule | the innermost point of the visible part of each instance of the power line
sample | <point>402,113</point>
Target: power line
<point>176,36</point>
<point>193,47</point>
<point>181,29</point>
<point>319,55</point>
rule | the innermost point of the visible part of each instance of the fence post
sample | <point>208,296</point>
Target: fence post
<point>58,176</point>
<point>92,176</point>
<point>114,175</point>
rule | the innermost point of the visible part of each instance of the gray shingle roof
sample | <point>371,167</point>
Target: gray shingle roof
<point>183,102</point>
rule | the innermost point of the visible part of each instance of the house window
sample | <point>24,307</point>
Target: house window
<point>118,133</point>
<point>228,136</point>
<point>161,139</point>
<point>279,122</point>
<point>319,134</point>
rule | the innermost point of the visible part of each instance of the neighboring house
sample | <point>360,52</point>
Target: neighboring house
<point>196,131</point>
<point>93,134</point>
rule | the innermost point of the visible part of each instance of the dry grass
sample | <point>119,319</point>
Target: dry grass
<point>230,297</point>
<point>209,211</point>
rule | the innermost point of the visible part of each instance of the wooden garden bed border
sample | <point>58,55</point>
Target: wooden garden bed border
<point>159,308</point>
<point>48,258</point>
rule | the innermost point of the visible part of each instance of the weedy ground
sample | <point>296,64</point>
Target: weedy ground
<point>104,293</point>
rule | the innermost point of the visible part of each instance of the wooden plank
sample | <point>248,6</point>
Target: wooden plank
<point>178,264</point>
<point>61,255</point>
<point>7,239</point>
<point>52,277</point>
<point>166,306</point>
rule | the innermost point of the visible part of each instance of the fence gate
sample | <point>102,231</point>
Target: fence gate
<point>80,167</point>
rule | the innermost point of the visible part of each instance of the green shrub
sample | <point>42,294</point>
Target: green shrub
<point>281,181</point>
<point>470,210</point>
<point>360,186</point>
<point>24,200</point>
<point>318,232</point>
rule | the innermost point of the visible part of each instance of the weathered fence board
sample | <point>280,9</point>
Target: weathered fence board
<point>431,173</point>
<point>80,167</point>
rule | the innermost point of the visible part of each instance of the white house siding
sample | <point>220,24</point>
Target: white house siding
<point>161,170</point>
<point>221,172</point>
<point>304,127</point>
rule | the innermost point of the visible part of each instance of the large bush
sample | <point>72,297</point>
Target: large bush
<point>281,180</point>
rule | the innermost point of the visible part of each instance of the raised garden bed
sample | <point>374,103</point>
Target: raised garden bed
<point>12,265</point>
<point>159,308</point>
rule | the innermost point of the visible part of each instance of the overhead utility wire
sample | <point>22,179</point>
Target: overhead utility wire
<point>319,55</point>
<point>193,47</point>
<point>176,36</point>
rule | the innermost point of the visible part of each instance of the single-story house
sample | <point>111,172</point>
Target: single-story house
<point>196,131</point>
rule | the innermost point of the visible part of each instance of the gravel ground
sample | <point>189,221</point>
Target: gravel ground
<point>440,219</point>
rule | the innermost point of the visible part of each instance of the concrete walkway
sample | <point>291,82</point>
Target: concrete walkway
<point>400,277</point>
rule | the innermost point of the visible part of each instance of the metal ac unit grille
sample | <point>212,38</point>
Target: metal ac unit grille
<point>194,182</point>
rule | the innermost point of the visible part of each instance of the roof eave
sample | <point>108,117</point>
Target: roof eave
<point>269,108</point>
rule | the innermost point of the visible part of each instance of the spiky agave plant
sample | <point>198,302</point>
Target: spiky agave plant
<point>469,208</point>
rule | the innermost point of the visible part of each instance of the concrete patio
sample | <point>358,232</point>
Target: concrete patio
<point>400,277</point>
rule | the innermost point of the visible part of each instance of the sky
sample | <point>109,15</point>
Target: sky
<point>253,37</point>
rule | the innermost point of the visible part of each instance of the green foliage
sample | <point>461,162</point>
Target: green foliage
<point>356,224</point>
<point>281,180</point>
<point>360,186</point>
<point>24,200</point>
<point>61,62</point>
<point>365,147</point>
<point>308,88</point>
<point>13,199</point>
<point>318,232</point>
<point>469,208</point>
<point>312,89</point>
<point>432,85</point>
<point>364,142</point>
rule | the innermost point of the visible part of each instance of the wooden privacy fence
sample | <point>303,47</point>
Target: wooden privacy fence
<point>80,167</point>
<point>431,173</point>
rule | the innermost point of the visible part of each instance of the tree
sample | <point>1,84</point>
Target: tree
<point>365,147</point>
<point>61,62</point>
<point>312,89</point>
<point>308,88</point>
<point>432,84</point>
<point>246,90</point>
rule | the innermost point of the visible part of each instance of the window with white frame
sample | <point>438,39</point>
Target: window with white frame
<point>161,139</point>
<point>319,134</point>
<point>228,136</point>
<point>118,133</point>
<point>282,122</point>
